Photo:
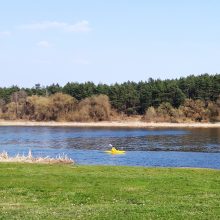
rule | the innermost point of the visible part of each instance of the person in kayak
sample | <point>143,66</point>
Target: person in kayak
<point>113,148</point>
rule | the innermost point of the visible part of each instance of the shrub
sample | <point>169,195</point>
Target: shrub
<point>95,108</point>
<point>150,115</point>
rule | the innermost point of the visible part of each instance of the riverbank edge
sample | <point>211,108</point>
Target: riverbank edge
<point>75,165</point>
<point>110,124</point>
<point>106,166</point>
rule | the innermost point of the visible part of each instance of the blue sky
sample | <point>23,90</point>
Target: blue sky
<point>52,41</point>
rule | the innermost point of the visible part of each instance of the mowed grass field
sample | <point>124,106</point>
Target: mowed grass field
<point>33,191</point>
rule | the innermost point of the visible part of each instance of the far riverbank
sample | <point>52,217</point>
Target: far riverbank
<point>112,124</point>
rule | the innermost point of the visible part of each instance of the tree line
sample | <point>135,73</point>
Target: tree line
<point>144,98</point>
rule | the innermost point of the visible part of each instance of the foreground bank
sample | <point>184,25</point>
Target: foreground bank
<point>116,124</point>
<point>34,191</point>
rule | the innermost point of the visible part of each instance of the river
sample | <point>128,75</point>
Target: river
<point>196,147</point>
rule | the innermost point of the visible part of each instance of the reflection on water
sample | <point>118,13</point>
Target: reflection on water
<point>147,147</point>
<point>198,140</point>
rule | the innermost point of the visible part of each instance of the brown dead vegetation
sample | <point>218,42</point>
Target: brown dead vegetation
<point>62,107</point>
<point>57,107</point>
<point>190,111</point>
<point>95,108</point>
<point>4,157</point>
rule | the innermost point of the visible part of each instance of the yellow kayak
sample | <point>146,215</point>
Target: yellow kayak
<point>114,151</point>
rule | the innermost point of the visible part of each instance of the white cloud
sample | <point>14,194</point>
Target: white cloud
<point>5,33</point>
<point>81,26</point>
<point>43,44</point>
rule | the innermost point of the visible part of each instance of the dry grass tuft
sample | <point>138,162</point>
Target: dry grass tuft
<point>61,159</point>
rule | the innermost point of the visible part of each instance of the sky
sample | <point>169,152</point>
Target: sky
<point>53,41</point>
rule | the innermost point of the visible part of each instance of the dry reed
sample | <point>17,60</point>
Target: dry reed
<point>60,159</point>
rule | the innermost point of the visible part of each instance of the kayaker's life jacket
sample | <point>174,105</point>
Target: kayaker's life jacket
<point>113,149</point>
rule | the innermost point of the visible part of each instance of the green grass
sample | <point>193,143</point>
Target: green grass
<point>33,191</point>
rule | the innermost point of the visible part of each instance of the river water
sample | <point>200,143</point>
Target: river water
<point>167,147</point>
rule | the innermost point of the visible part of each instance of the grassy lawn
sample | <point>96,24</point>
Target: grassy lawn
<point>29,191</point>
